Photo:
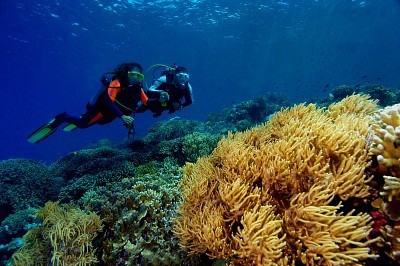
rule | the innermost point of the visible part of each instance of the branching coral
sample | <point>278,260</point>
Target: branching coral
<point>266,195</point>
<point>65,237</point>
<point>391,189</point>
<point>137,214</point>
<point>24,184</point>
<point>386,147</point>
<point>198,144</point>
<point>387,137</point>
<point>392,236</point>
<point>93,167</point>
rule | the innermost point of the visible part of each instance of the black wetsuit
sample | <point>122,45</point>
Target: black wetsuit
<point>126,102</point>
<point>176,94</point>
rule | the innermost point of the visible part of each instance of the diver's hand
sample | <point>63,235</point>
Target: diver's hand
<point>127,120</point>
<point>163,97</point>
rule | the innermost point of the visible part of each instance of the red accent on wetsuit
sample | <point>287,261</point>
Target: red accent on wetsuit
<point>143,97</point>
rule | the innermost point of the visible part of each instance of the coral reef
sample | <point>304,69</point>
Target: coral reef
<point>23,184</point>
<point>384,95</point>
<point>137,215</point>
<point>385,146</point>
<point>198,144</point>
<point>93,161</point>
<point>386,141</point>
<point>65,237</point>
<point>245,115</point>
<point>282,193</point>
<point>170,130</point>
<point>187,140</point>
<point>12,228</point>
<point>296,190</point>
<point>14,224</point>
<point>181,139</point>
<point>89,168</point>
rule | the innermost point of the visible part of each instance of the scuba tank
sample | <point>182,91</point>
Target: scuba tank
<point>168,71</point>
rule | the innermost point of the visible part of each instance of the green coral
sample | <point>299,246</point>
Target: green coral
<point>198,144</point>
<point>245,115</point>
<point>76,187</point>
<point>23,184</point>
<point>150,168</point>
<point>165,139</point>
<point>14,224</point>
<point>386,96</point>
<point>169,130</point>
<point>65,237</point>
<point>93,167</point>
<point>137,215</point>
<point>92,161</point>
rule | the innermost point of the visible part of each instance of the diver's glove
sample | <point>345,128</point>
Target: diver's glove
<point>127,120</point>
<point>163,97</point>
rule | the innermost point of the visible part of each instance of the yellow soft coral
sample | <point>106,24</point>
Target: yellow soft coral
<point>65,238</point>
<point>264,196</point>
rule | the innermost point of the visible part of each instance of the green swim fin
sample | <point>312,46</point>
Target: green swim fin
<point>42,132</point>
<point>70,127</point>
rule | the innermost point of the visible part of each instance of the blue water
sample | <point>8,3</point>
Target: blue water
<point>54,52</point>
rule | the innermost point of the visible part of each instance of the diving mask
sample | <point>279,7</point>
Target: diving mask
<point>135,75</point>
<point>182,77</point>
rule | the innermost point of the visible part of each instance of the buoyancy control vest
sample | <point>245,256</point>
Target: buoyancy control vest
<point>126,99</point>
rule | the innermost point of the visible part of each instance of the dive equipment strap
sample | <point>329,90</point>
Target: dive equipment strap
<point>131,128</point>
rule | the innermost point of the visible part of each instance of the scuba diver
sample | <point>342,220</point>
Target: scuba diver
<point>168,91</point>
<point>119,96</point>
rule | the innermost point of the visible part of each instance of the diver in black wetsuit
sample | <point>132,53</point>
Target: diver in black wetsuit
<point>168,91</point>
<point>119,97</point>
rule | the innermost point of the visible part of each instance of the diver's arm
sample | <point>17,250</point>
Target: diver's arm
<point>155,92</point>
<point>188,95</point>
<point>145,100</point>
<point>157,84</point>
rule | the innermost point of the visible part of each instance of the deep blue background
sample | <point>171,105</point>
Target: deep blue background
<point>53,53</point>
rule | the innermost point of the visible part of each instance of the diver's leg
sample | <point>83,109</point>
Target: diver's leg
<point>84,121</point>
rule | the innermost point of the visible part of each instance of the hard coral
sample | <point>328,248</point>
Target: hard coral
<point>170,130</point>
<point>137,215</point>
<point>384,95</point>
<point>385,146</point>
<point>198,144</point>
<point>386,142</point>
<point>91,161</point>
<point>165,139</point>
<point>24,184</point>
<point>93,167</point>
<point>242,116</point>
<point>274,195</point>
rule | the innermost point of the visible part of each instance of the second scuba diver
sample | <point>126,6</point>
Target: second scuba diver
<point>120,95</point>
<point>168,91</point>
